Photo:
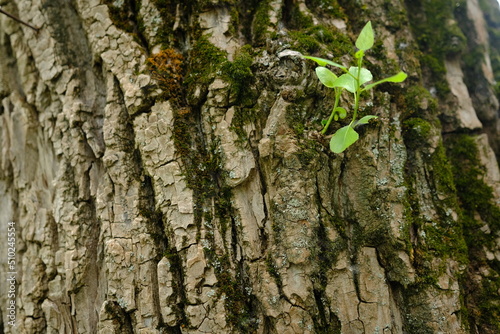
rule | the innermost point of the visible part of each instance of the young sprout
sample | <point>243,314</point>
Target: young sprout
<point>356,79</point>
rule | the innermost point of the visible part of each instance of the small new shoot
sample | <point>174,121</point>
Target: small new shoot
<point>356,80</point>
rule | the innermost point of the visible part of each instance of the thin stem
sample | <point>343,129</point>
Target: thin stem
<point>358,91</point>
<point>356,106</point>
<point>19,20</point>
<point>336,104</point>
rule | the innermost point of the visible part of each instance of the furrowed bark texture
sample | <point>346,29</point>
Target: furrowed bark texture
<point>162,163</point>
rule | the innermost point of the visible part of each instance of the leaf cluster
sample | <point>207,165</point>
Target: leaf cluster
<point>355,80</point>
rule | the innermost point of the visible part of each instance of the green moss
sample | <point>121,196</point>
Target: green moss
<point>202,166</point>
<point>167,10</point>
<point>490,306</point>
<point>238,303</point>
<point>417,324</point>
<point>437,73</point>
<point>295,19</point>
<point>204,174</point>
<point>261,23</point>
<point>355,12</point>
<point>126,17</point>
<point>340,226</point>
<point>439,237</point>
<point>444,184</point>
<point>438,36</point>
<point>327,251</point>
<point>242,117</point>
<point>326,8</point>
<point>433,242</point>
<point>476,199</point>
<point>213,208</point>
<point>437,31</point>
<point>204,61</point>
<point>295,117</point>
<point>203,5</point>
<point>416,132</point>
<point>201,171</point>
<point>235,21</point>
<point>378,234</point>
<point>304,43</point>
<point>181,132</point>
<point>378,51</point>
<point>445,237</point>
<point>340,45</point>
<point>490,11</point>
<point>240,76</point>
<point>310,38</point>
<point>273,271</point>
<point>322,34</point>
<point>475,195</point>
<point>395,18</point>
<point>418,102</point>
<point>277,228</point>
<point>178,300</point>
<point>445,240</point>
<point>208,62</point>
<point>321,38</point>
<point>300,119</point>
<point>243,92</point>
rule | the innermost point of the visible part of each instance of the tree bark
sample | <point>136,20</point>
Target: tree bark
<point>163,171</point>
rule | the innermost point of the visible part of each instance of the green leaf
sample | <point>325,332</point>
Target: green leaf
<point>364,76</point>
<point>324,62</point>
<point>346,81</point>
<point>400,77</point>
<point>343,138</point>
<point>339,112</point>
<point>365,120</point>
<point>365,38</point>
<point>326,76</point>
<point>359,54</point>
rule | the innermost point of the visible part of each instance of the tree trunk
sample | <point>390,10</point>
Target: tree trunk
<point>163,171</point>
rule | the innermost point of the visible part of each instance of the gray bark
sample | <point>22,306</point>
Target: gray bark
<point>193,193</point>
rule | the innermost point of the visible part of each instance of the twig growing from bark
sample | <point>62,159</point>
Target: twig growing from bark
<point>19,20</point>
